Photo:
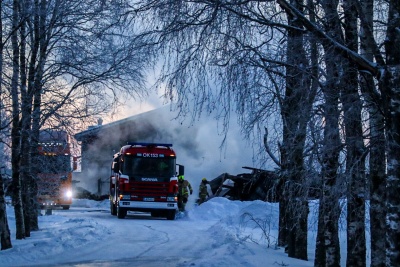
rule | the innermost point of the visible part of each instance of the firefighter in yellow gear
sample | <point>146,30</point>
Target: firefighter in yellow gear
<point>184,188</point>
<point>203,192</point>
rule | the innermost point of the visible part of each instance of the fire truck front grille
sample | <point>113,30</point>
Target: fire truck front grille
<point>149,188</point>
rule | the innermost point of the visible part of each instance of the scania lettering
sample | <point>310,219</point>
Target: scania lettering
<point>144,178</point>
<point>150,179</point>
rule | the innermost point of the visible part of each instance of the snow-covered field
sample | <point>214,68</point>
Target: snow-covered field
<point>218,233</point>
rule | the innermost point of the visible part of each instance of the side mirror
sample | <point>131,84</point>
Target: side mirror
<point>115,166</point>
<point>74,163</point>
<point>181,170</point>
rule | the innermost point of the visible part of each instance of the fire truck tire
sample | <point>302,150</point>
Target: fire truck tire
<point>65,207</point>
<point>171,215</point>
<point>113,208</point>
<point>121,212</point>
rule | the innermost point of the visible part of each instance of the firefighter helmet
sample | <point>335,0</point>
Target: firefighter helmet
<point>180,178</point>
<point>204,179</point>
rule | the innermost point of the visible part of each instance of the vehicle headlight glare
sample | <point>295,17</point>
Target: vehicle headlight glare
<point>68,193</point>
<point>124,197</point>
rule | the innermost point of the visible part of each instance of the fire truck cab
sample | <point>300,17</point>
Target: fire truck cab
<point>144,178</point>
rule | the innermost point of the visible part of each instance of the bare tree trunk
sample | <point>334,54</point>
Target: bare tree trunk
<point>15,131</point>
<point>355,162</point>
<point>296,110</point>
<point>392,111</point>
<point>4,229</point>
<point>393,170</point>
<point>37,101</point>
<point>377,174</point>
<point>327,251</point>
<point>34,89</point>
<point>42,38</point>
<point>5,237</point>
<point>356,244</point>
<point>26,110</point>
<point>377,164</point>
<point>328,247</point>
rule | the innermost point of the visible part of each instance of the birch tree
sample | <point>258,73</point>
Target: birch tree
<point>5,236</point>
<point>376,144</point>
<point>354,145</point>
<point>386,71</point>
<point>15,130</point>
<point>328,248</point>
<point>391,94</point>
<point>208,43</point>
<point>66,55</point>
<point>296,111</point>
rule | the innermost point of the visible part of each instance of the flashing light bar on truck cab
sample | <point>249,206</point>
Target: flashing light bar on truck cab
<point>149,144</point>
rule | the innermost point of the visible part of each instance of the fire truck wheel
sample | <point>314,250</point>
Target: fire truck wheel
<point>113,209</point>
<point>171,215</point>
<point>65,207</point>
<point>121,212</point>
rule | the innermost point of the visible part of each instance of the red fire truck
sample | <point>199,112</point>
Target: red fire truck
<point>144,178</point>
<point>55,173</point>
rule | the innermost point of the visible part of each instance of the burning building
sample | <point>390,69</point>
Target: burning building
<point>198,145</point>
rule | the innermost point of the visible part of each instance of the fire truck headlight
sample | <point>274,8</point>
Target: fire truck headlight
<point>124,197</point>
<point>68,193</point>
<point>172,199</point>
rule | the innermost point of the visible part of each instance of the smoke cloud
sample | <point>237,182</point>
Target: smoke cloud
<point>197,144</point>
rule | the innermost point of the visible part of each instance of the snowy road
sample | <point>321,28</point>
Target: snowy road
<point>137,240</point>
<point>213,234</point>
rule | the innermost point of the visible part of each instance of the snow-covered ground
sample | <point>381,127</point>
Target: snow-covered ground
<point>217,233</point>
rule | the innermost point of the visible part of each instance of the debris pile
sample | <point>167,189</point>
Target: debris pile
<point>257,185</point>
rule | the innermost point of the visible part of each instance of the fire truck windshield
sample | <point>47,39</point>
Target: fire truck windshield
<point>148,167</point>
<point>54,163</point>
